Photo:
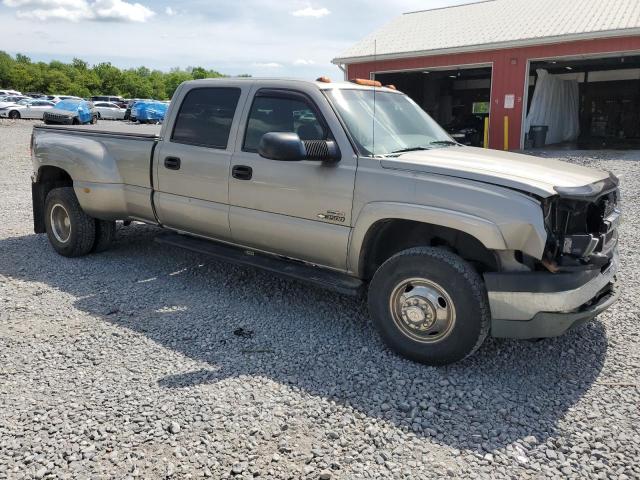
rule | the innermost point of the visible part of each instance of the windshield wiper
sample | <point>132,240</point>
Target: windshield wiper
<point>444,142</point>
<point>410,149</point>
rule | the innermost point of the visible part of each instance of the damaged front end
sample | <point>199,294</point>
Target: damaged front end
<point>576,278</point>
<point>582,225</point>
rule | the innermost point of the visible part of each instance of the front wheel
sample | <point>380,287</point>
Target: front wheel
<point>14,115</point>
<point>430,306</point>
<point>71,232</point>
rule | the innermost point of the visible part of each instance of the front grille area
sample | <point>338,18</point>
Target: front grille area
<point>56,117</point>
<point>582,231</point>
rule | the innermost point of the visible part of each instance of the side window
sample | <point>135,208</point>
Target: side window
<point>281,114</point>
<point>205,117</point>
<point>100,104</point>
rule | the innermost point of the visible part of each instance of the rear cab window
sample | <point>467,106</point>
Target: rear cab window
<point>205,117</point>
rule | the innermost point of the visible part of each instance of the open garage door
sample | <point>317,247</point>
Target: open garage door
<point>458,99</point>
<point>608,99</point>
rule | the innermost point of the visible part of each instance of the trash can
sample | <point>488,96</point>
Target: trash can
<point>538,135</point>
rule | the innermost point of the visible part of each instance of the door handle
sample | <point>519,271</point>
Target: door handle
<point>172,163</point>
<point>242,172</point>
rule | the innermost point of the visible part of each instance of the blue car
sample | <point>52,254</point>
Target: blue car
<point>71,112</point>
<point>149,112</point>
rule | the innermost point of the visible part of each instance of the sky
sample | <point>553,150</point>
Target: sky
<point>274,38</point>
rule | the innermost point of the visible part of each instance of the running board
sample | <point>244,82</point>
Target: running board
<point>338,282</point>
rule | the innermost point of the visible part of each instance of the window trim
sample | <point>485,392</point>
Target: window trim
<point>285,93</point>
<point>195,144</point>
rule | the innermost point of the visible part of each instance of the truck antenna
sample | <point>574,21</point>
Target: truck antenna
<point>375,69</point>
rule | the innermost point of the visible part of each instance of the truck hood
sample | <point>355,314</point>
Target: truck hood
<point>534,175</point>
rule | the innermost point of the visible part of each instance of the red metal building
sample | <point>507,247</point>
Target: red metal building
<point>490,52</point>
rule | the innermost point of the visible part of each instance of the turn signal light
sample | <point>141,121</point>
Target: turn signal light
<point>323,80</point>
<point>366,83</point>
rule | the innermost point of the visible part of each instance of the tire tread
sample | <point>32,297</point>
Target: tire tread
<point>84,225</point>
<point>462,267</point>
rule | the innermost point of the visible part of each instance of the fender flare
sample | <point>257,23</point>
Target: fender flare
<point>485,231</point>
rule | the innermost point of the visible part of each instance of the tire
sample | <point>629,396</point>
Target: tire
<point>99,116</point>
<point>14,115</point>
<point>444,286</point>
<point>75,121</point>
<point>78,237</point>
<point>105,234</point>
<point>94,119</point>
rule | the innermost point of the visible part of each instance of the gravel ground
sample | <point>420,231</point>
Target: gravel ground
<point>147,363</point>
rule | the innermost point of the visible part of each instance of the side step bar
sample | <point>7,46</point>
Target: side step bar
<point>338,282</point>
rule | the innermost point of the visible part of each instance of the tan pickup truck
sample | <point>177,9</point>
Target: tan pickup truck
<point>347,186</point>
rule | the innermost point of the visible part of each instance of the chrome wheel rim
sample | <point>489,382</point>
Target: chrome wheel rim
<point>422,310</point>
<point>60,223</point>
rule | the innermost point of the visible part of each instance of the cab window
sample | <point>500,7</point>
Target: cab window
<point>281,114</point>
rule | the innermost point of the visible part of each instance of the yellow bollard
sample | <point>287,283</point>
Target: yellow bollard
<point>506,132</point>
<point>485,143</point>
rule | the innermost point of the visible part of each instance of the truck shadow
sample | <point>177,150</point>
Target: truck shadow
<point>241,321</point>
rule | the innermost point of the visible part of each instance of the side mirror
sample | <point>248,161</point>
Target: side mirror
<point>287,147</point>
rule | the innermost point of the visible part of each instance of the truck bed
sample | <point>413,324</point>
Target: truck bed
<point>109,128</point>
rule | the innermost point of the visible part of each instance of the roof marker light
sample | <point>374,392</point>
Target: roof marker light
<point>366,83</point>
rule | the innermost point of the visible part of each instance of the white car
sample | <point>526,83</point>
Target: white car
<point>9,92</point>
<point>12,99</point>
<point>59,98</point>
<point>26,109</point>
<point>109,111</point>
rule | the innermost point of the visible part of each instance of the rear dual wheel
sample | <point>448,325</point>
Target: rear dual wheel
<point>72,232</point>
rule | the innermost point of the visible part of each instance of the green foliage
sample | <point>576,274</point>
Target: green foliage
<point>83,80</point>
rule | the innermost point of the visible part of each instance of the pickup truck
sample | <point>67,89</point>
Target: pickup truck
<point>348,186</point>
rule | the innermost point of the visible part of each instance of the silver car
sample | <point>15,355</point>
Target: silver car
<point>109,111</point>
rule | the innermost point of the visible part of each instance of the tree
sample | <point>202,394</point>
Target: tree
<point>81,79</point>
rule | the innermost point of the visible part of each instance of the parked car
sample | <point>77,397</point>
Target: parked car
<point>130,104</point>
<point>453,242</point>
<point>4,93</point>
<point>109,98</point>
<point>149,112</point>
<point>36,95</point>
<point>59,98</point>
<point>109,111</point>
<point>26,109</point>
<point>71,112</point>
<point>11,99</point>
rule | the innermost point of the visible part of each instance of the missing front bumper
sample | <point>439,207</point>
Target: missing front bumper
<point>538,305</point>
<point>546,324</point>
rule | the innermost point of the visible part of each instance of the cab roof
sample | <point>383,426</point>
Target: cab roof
<point>320,85</point>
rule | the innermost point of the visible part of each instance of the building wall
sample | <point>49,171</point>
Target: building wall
<point>509,74</point>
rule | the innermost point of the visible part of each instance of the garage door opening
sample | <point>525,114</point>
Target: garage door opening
<point>606,104</point>
<point>459,99</point>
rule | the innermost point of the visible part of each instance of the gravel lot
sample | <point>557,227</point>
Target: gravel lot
<point>147,363</point>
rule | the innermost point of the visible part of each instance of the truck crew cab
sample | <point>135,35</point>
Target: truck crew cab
<point>348,186</point>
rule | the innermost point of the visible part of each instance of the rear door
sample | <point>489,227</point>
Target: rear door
<point>192,162</point>
<point>298,209</point>
<point>36,109</point>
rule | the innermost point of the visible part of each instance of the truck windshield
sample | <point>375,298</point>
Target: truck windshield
<point>398,126</point>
